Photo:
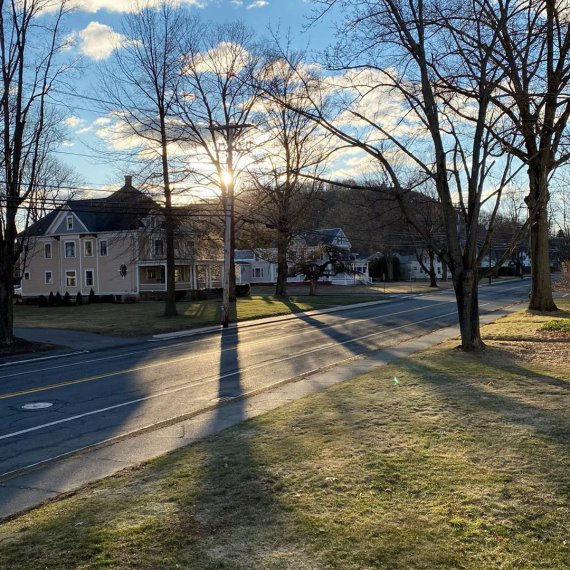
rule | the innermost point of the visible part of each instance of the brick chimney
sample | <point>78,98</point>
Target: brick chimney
<point>128,181</point>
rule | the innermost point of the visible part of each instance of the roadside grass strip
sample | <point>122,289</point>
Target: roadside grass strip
<point>445,460</point>
<point>147,317</point>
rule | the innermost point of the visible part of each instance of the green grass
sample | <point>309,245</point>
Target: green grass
<point>147,318</point>
<point>557,325</point>
<point>463,463</point>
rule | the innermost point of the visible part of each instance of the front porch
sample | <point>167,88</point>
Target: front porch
<point>152,276</point>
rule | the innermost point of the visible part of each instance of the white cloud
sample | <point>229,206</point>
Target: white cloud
<point>98,41</point>
<point>124,5</point>
<point>73,122</point>
<point>257,4</point>
<point>236,3</point>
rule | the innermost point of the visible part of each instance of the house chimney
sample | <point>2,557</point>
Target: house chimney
<point>128,181</point>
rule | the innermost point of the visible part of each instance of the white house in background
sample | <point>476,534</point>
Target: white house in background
<point>411,269</point>
<point>258,266</point>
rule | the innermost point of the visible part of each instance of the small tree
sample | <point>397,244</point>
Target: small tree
<point>316,262</point>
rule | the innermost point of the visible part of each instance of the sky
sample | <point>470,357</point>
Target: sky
<point>94,25</point>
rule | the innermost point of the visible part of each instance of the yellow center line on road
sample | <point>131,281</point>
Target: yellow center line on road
<point>93,378</point>
<point>186,358</point>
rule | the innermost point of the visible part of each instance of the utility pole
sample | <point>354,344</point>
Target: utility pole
<point>228,187</point>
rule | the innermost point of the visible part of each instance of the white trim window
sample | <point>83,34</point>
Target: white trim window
<point>89,278</point>
<point>69,249</point>
<point>69,222</point>
<point>88,248</point>
<point>158,248</point>
<point>48,278</point>
<point>258,272</point>
<point>47,250</point>
<point>70,278</point>
<point>26,275</point>
<point>103,248</point>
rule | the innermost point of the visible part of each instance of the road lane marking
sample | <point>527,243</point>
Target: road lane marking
<point>187,343</point>
<point>211,379</point>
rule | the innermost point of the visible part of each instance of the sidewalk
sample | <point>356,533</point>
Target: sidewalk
<point>68,474</point>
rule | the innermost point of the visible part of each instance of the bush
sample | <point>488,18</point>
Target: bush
<point>51,299</point>
<point>79,298</point>
<point>243,290</point>
<point>66,299</point>
<point>92,297</point>
<point>42,301</point>
<point>57,299</point>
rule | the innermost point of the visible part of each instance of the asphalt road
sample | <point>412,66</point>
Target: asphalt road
<point>54,408</point>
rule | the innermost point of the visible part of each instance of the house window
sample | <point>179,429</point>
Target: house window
<point>158,248</point>
<point>69,222</point>
<point>88,248</point>
<point>49,277</point>
<point>69,249</point>
<point>26,275</point>
<point>258,271</point>
<point>88,277</point>
<point>47,250</point>
<point>123,270</point>
<point>103,248</point>
<point>70,278</point>
<point>151,273</point>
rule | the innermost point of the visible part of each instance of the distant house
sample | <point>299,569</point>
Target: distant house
<point>411,268</point>
<point>113,246</point>
<point>259,266</point>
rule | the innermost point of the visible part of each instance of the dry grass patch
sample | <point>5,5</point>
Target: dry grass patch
<point>462,464</point>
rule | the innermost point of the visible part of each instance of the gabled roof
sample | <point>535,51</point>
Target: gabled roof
<point>123,210</point>
<point>327,236</point>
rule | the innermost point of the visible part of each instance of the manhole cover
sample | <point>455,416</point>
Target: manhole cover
<point>37,406</point>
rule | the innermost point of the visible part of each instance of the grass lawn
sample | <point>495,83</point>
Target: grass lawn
<point>462,462</point>
<point>147,318</point>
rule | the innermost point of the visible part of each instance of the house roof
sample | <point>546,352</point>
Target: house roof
<point>122,210</point>
<point>326,236</point>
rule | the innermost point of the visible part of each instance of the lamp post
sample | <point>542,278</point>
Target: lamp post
<point>228,186</point>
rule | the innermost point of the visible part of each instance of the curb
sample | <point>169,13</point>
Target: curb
<point>266,320</point>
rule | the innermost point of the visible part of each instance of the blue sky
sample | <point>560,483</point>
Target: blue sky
<point>93,25</point>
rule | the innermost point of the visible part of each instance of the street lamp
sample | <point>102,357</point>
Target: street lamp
<point>228,183</point>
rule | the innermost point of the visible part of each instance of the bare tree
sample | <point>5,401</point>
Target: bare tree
<point>30,43</point>
<point>409,52</point>
<point>294,146</point>
<point>55,184</point>
<point>532,49</point>
<point>141,84</point>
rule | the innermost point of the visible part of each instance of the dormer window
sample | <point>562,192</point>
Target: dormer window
<point>69,222</point>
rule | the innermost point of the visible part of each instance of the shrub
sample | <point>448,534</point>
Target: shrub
<point>51,299</point>
<point>243,290</point>
<point>42,301</point>
<point>79,298</point>
<point>92,297</point>
<point>58,299</point>
<point>66,299</point>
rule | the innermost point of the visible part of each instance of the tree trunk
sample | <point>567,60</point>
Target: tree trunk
<point>282,269</point>
<point>6,304</point>
<point>466,293</point>
<point>312,287</point>
<point>443,271</point>
<point>390,266</point>
<point>537,201</point>
<point>170,304</point>
<point>432,275</point>
<point>233,255</point>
